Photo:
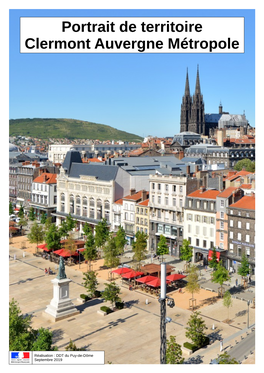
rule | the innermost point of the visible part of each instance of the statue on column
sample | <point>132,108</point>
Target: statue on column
<point>61,272</point>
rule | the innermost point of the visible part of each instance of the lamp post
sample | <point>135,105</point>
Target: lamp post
<point>163,319</point>
<point>248,314</point>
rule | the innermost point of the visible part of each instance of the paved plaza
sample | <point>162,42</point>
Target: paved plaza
<point>131,335</point>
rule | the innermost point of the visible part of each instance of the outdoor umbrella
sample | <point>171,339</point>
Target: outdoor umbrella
<point>156,283</point>
<point>121,271</point>
<point>146,279</point>
<point>64,253</point>
<point>42,246</point>
<point>175,277</point>
<point>13,228</point>
<point>132,274</point>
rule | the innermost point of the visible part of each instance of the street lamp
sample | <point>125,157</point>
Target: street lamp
<point>248,314</point>
<point>163,318</point>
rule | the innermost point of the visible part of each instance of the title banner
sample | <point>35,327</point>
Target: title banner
<point>131,35</point>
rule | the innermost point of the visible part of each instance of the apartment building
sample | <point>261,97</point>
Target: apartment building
<point>241,223</point>
<point>200,222</point>
<point>142,218</point>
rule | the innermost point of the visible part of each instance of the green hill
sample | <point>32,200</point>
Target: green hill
<point>44,128</point>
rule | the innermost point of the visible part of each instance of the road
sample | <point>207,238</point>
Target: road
<point>243,348</point>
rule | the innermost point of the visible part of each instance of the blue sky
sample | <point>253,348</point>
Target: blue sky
<point>138,93</point>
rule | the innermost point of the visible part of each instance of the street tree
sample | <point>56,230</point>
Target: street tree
<point>173,352</point>
<point>90,282</point>
<point>43,218</point>
<point>21,212</point>
<point>214,261</point>
<point>243,269</point>
<point>110,253</point>
<point>162,248</point>
<point>139,247</point>
<point>90,252</point>
<point>36,234</point>
<point>64,230</point>
<point>11,208</point>
<point>227,302</point>
<point>111,293</point>
<point>196,329</point>
<point>220,275</point>
<point>193,285</point>
<point>86,229</point>
<point>31,214</point>
<point>70,245</point>
<point>22,337</point>
<point>53,238</point>
<point>186,251</point>
<point>226,359</point>
<point>23,222</point>
<point>72,347</point>
<point>71,223</point>
<point>120,239</point>
<point>101,233</point>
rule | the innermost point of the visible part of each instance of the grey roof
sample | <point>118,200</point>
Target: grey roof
<point>212,118</point>
<point>102,172</point>
<point>71,156</point>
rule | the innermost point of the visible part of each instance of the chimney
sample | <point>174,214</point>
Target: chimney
<point>188,170</point>
<point>144,195</point>
<point>181,155</point>
<point>202,189</point>
<point>132,191</point>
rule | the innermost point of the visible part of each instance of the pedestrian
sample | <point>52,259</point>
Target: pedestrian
<point>14,256</point>
<point>24,254</point>
<point>249,279</point>
<point>236,281</point>
<point>221,345</point>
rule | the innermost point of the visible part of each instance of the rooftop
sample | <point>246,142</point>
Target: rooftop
<point>205,194</point>
<point>246,202</point>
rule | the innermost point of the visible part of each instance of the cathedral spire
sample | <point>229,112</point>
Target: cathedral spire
<point>197,87</point>
<point>187,86</point>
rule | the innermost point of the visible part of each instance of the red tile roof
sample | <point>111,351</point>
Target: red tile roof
<point>136,196</point>
<point>246,202</point>
<point>144,203</point>
<point>207,194</point>
<point>240,173</point>
<point>246,186</point>
<point>227,192</point>
<point>119,201</point>
<point>46,178</point>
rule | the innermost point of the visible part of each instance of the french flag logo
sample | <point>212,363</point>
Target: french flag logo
<point>19,356</point>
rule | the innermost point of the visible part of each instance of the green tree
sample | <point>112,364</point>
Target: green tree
<point>193,285</point>
<point>90,252</point>
<point>21,212</point>
<point>53,238</point>
<point>72,347</point>
<point>120,239</point>
<point>86,229</point>
<point>22,337</point>
<point>110,252</point>
<point>11,208</point>
<point>71,223</point>
<point>139,247</point>
<point>173,352</point>
<point>43,218</point>
<point>214,261</point>
<point>31,214</point>
<point>243,269</point>
<point>227,301</point>
<point>186,251</point>
<point>90,282</point>
<point>220,275</point>
<point>111,293</point>
<point>48,223</point>
<point>162,248</point>
<point>101,233</point>
<point>226,359</point>
<point>63,229</point>
<point>23,222</point>
<point>196,330</point>
<point>36,234</point>
<point>246,163</point>
<point>70,245</point>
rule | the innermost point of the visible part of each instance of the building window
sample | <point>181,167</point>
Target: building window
<point>159,187</point>
<point>197,230</point>
<point>180,189</point>
<point>180,202</point>
<point>231,223</point>
<point>190,240</point>
<point>197,217</point>
<point>190,203</point>
<point>153,198</point>
<point>231,247</point>
<point>174,201</point>
<point>84,211</point>
<point>221,225</point>
<point>247,238</point>
<point>166,200</point>
<point>239,224</point>
<point>189,217</point>
<point>198,204</point>
<point>91,202</point>
<point>153,186</point>
<point>212,220</point>
<point>221,236</point>
<point>166,187</point>
<point>204,219</point>
<point>239,236</point>
<point>174,188</point>
<point>231,234</point>
<point>197,241</point>
<point>159,199</point>
<point>239,251</point>
<point>204,231</point>
<point>107,205</point>
<point>222,214</point>
<point>231,212</point>
<point>189,228</point>
<point>204,244</point>
<point>205,205</point>
<point>247,226</point>
<point>222,203</point>
<point>247,251</point>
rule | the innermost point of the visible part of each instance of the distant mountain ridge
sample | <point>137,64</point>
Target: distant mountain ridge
<point>44,128</point>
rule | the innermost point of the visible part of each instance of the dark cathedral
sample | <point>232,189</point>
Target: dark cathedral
<point>193,118</point>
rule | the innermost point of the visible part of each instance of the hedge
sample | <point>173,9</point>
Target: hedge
<point>119,305</point>
<point>106,309</point>
<point>193,347</point>
<point>85,297</point>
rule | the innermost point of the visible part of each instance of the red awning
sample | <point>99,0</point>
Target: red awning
<point>145,279</point>
<point>132,274</point>
<point>121,271</point>
<point>175,277</point>
<point>42,246</point>
<point>210,253</point>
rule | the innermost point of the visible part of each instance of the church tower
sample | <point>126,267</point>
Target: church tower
<point>186,107</point>
<point>197,121</point>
